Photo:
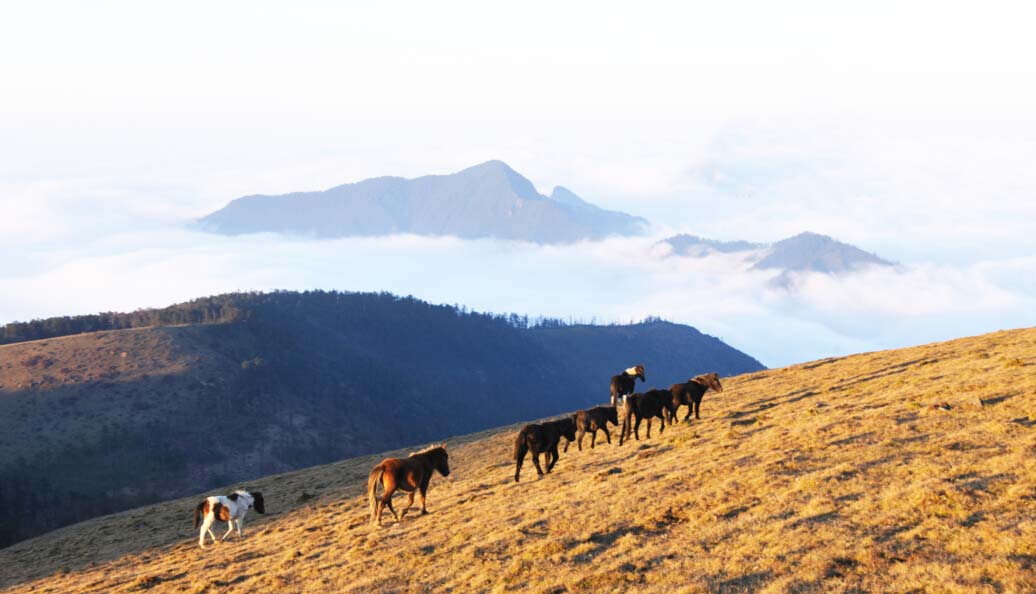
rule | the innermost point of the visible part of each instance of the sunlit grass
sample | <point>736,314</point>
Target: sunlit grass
<point>898,471</point>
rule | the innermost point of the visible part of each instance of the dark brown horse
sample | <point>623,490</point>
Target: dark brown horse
<point>591,420</point>
<point>624,383</point>
<point>542,438</point>
<point>410,474</point>
<point>650,404</point>
<point>691,394</point>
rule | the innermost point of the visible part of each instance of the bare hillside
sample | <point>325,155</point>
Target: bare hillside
<point>896,471</point>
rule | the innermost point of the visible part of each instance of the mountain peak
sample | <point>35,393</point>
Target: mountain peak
<point>821,253</point>
<point>486,200</point>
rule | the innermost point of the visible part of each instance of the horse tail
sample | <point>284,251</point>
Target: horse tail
<point>519,442</point>
<point>197,514</point>
<point>372,486</point>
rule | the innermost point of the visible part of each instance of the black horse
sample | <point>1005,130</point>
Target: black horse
<point>624,383</point>
<point>542,438</point>
<point>691,393</point>
<point>650,404</point>
<point>591,420</point>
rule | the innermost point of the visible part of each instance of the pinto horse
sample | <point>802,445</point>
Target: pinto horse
<point>542,438</point>
<point>227,508</point>
<point>624,383</point>
<point>691,393</point>
<point>410,474</point>
<point>653,403</point>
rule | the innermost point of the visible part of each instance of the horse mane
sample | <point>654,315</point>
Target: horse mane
<point>441,446</point>
<point>706,379</point>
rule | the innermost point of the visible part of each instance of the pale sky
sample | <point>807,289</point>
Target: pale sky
<point>905,128</point>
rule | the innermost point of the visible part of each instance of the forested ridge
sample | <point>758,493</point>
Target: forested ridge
<point>161,403</point>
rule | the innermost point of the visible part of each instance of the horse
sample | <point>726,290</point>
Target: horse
<point>653,403</point>
<point>227,508</point>
<point>691,393</point>
<point>411,474</point>
<point>591,420</point>
<point>624,383</point>
<point>542,438</point>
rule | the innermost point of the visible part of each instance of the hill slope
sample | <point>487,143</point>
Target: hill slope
<point>487,200</point>
<point>897,471</point>
<point>95,423</point>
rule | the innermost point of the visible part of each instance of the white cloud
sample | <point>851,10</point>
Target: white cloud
<point>614,280</point>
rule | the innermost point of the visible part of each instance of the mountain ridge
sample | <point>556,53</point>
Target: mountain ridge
<point>488,200</point>
<point>806,251</point>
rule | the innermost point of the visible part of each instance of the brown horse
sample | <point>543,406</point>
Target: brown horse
<point>592,419</point>
<point>624,383</point>
<point>653,403</point>
<point>410,474</point>
<point>542,438</point>
<point>691,393</point>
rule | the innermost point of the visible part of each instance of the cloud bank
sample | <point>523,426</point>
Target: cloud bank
<point>611,281</point>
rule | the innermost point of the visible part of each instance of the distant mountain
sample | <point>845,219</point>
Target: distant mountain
<point>820,253</point>
<point>101,413</point>
<point>487,200</point>
<point>805,251</point>
<point>697,247</point>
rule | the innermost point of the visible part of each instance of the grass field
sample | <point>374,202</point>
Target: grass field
<point>898,471</point>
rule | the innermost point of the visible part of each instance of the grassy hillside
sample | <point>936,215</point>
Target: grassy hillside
<point>897,471</point>
<point>99,422</point>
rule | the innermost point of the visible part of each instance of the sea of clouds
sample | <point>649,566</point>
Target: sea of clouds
<point>948,196</point>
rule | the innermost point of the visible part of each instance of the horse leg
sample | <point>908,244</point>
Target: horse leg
<point>661,422</point>
<point>536,461</point>
<point>636,429</point>
<point>230,528</point>
<point>579,439</point>
<point>690,409</point>
<point>424,493</point>
<point>409,502</point>
<point>555,456</point>
<point>697,410</point>
<point>519,459</point>
<point>593,438</point>
<point>240,525</point>
<point>388,501</point>
<point>607,435</point>
<point>206,526</point>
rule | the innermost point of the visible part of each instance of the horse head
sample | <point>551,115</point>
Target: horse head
<point>568,428</point>
<point>442,462</point>
<point>258,503</point>
<point>612,415</point>
<point>637,371</point>
<point>709,380</point>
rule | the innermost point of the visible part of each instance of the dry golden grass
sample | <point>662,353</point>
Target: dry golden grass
<point>898,471</point>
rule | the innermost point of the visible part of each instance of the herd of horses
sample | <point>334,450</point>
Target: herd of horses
<point>412,474</point>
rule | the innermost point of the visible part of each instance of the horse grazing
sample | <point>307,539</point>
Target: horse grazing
<point>624,383</point>
<point>542,438</point>
<point>591,420</point>
<point>226,508</point>
<point>653,403</point>
<point>691,394</point>
<point>410,474</point>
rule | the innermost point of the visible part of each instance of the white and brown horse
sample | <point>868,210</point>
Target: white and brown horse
<point>226,508</point>
<point>625,383</point>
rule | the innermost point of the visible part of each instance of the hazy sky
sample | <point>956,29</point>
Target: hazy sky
<point>905,128</point>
